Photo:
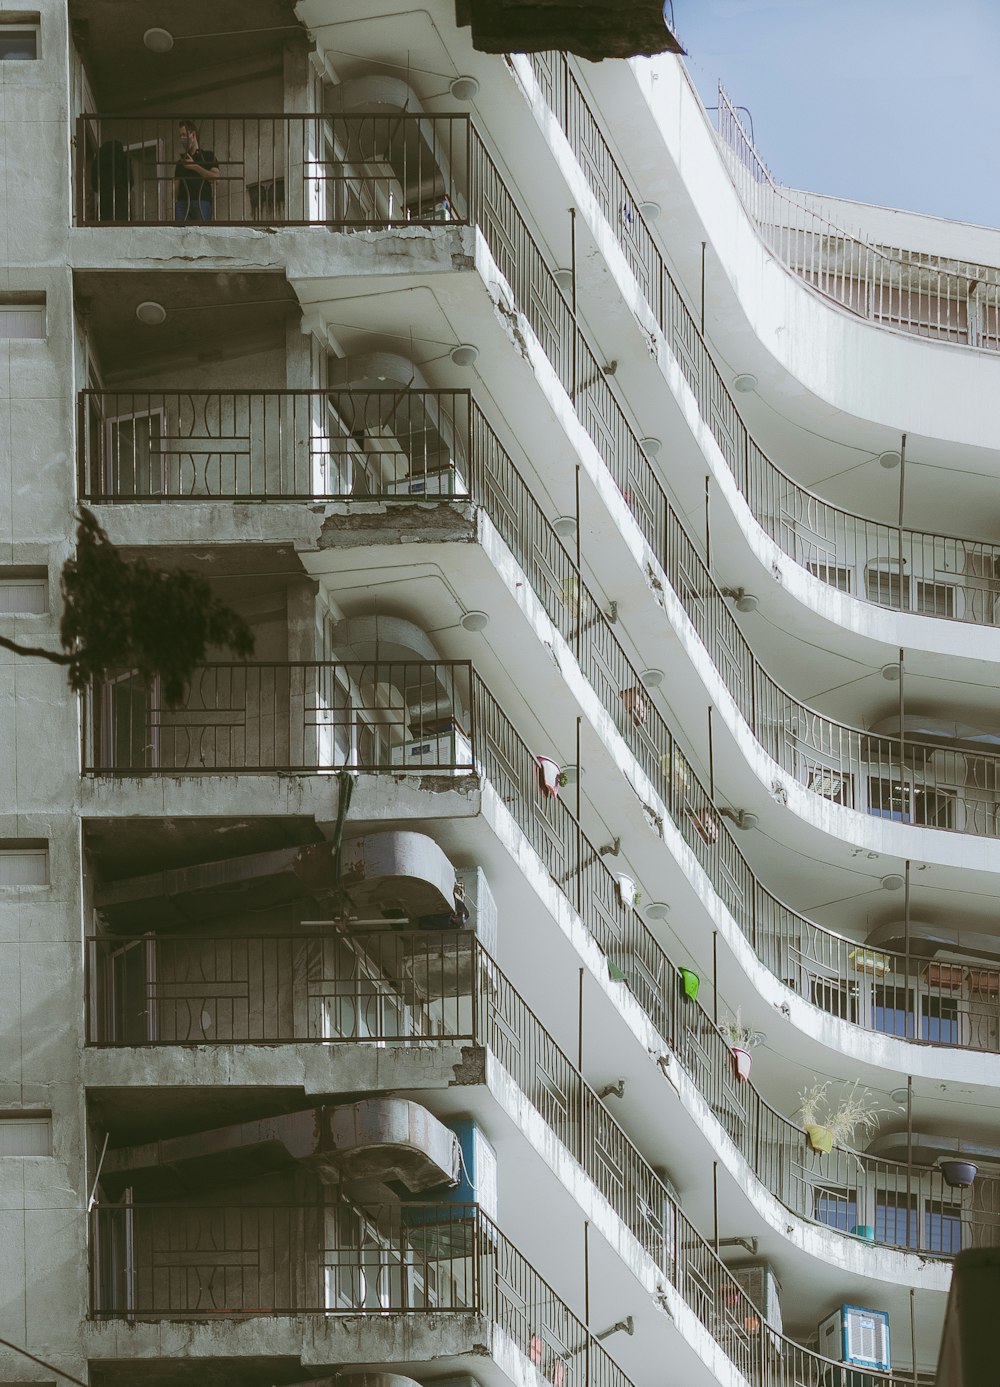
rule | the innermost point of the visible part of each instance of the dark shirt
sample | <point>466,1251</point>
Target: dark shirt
<point>193,187</point>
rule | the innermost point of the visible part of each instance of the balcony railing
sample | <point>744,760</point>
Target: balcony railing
<point>243,718</point>
<point>272,445</point>
<point>359,172</point>
<point>934,296</point>
<point>419,988</point>
<point>569,1107</point>
<point>832,971</point>
<point>387,715</point>
<point>940,575</point>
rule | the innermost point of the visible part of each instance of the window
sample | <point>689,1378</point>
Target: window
<point>893,1010</point>
<point>943,1229</point>
<point>935,599</point>
<point>888,799</point>
<point>832,785</point>
<point>940,1021</point>
<point>24,862</point>
<point>896,1219</point>
<point>836,1208</point>
<point>22,316</point>
<point>832,574</point>
<point>24,591</point>
<point>888,588</point>
<point>836,997</point>
<point>18,36</point>
<point>25,1134</point>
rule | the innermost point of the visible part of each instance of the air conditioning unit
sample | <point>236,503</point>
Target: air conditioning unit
<point>856,1336</point>
<point>446,482</point>
<point>478,1181</point>
<point>762,1287</point>
<point>448,751</point>
<point>482,907</point>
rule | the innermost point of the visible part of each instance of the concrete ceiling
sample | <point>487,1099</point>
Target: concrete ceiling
<point>120,848</point>
<point>208,315</point>
<point>125,73</point>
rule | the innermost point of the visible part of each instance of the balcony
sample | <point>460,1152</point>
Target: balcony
<point>952,577</point>
<point>276,1260</point>
<point>309,718</point>
<point>443,988</point>
<point>348,172</point>
<point>273,445</point>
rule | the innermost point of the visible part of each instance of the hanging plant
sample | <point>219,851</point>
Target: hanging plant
<point>636,703</point>
<point>551,776</point>
<point>741,1040</point>
<point>828,1124</point>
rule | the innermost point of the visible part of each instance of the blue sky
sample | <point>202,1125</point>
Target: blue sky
<point>887,101</point>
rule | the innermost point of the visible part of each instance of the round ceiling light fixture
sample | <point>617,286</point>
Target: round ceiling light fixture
<point>889,460</point>
<point>465,354</point>
<point>745,383</point>
<point>151,313</point>
<point>650,210</point>
<point>652,678</point>
<point>657,910</point>
<point>891,672</point>
<point>564,278</point>
<point>651,446</point>
<point>565,526</point>
<point>747,602</point>
<point>476,621</point>
<point>892,882</point>
<point>158,40</point>
<point>464,88</point>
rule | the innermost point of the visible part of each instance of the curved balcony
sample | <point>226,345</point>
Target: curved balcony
<point>945,576</point>
<point>405,988</point>
<point>830,970</point>
<point>933,296</point>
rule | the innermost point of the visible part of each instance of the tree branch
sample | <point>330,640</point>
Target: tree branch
<point>53,656</point>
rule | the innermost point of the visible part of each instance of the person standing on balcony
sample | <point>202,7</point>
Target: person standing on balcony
<point>194,173</point>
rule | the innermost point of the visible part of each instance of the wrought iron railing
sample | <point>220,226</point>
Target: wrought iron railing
<point>272,445</point>
<point>637,1196</point>
<point>385,715</point>
<point>945,1004</point>
<point>361,172</point>
<point>941,575</point>
<point>935,296</point>
<point>364,719</point>
<point>335,986</point>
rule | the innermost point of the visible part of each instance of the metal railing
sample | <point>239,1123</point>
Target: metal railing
<point>361,172</point>
<point>380,1273</point>
<point>416,987</point>
<point>945,1004</point>
<point>323,986</point>
<point>927,295</point>
<point>952,577</point>
<point>278,445</point>
<point>387,715</point>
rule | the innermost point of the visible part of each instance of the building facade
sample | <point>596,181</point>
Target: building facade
<point>566,951</point>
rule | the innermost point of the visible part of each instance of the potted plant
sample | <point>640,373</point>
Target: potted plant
<point>636,703</point>
<point>552,776</point>
<point>830,1123</point>
<point>741,1040</point>
<point>958,1174</point>
<point>627,891</point>
<point>690,982</point>
<point>871,961</point>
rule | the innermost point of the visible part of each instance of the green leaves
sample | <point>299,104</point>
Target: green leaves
<point>122,615</point>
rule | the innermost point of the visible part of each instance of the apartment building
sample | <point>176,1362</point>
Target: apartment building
<point>566,951</point>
